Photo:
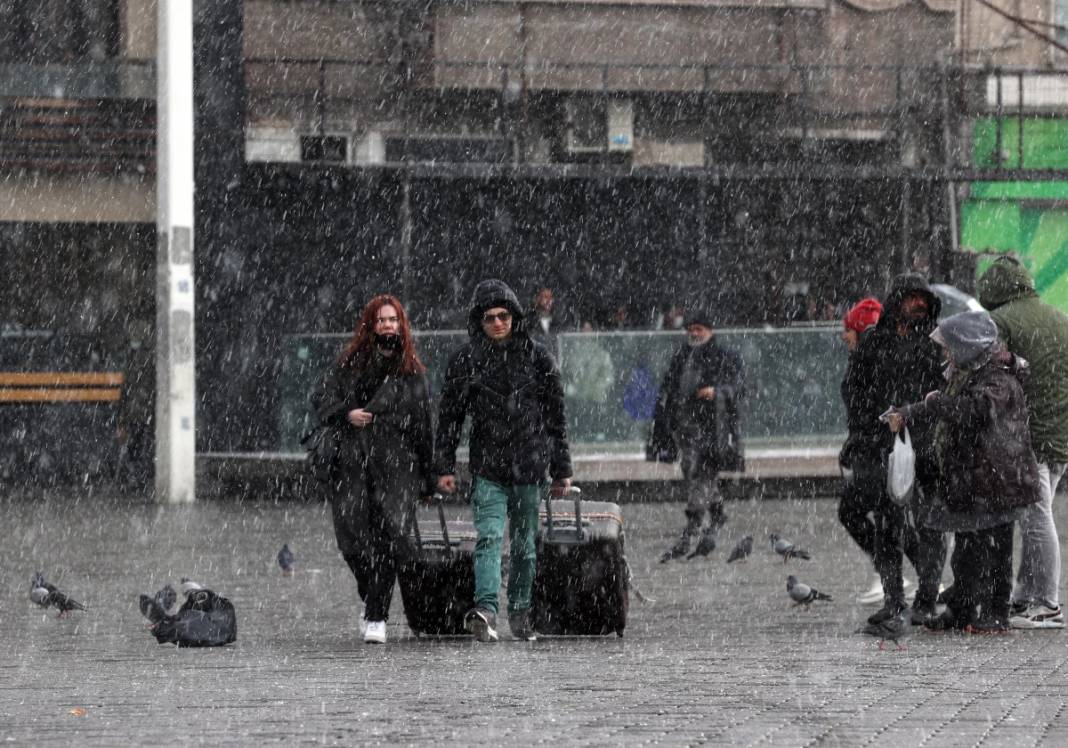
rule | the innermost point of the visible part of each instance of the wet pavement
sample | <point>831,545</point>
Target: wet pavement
<point>721,656</point>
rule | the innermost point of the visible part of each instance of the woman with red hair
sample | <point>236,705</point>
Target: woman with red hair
<point>377,399</point>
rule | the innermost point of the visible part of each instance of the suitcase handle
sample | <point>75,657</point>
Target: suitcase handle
<point>439,501</point>
<point>579,534</point>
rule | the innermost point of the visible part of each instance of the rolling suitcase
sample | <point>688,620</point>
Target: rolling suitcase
<point>437,583</point>
<point>582,584</point>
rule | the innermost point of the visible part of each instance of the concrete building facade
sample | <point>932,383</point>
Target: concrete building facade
<point>773,159</point>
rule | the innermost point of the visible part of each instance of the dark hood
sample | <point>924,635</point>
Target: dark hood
<point>491,293</point>
<point>902,286</point>
<point>1004,281</point>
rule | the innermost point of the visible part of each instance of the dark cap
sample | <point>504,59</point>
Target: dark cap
<point>700,317</point>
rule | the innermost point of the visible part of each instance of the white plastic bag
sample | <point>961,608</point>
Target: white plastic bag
<point>901,469</point>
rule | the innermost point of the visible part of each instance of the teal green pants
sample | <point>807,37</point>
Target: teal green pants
<point>492,503</point>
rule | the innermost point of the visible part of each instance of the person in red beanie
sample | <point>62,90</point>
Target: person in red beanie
<point>857,505</point>
<point>864,314</point>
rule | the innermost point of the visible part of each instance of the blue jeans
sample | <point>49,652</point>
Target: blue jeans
<point>492,503</point>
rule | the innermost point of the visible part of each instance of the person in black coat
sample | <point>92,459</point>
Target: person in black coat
<point>697,420</point>
<point>510,386</point>
<point>377,399</point>
<point>896,363</point>
<point>857,501</point>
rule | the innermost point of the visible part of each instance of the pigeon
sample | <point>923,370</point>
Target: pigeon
<point>895,629</point>
<point>151,609</point>
<point>801,593</point>
<point>705,545</point>
<point>741,551</point>
<point>786,549</point>
<point>167,599</point>
<point>164,603</point>
<point>287,560</point>
<point>46,595</point>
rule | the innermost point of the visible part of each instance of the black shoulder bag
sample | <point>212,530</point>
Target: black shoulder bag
<point>323,445</point>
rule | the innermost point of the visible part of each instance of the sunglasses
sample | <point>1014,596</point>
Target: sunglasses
<point>489,319</point>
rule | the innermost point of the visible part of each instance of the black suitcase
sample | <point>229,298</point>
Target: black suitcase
<point>582,585</point>
<point>437,583</point>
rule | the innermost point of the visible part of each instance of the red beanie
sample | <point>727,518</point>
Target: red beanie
<point>863,315</point>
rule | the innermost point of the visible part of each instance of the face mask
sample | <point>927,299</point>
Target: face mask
<point>389,342</point>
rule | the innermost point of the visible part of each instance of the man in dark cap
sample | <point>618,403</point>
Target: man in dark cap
<point>896,363</point>
<point>697,420</point>
<point>510,386</point>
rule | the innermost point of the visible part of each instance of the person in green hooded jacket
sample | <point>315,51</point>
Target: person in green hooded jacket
<point>1037,332</point>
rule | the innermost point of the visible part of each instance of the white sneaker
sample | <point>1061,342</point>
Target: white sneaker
<point>874,594</point>
<point>1038,617</point>
<point>375,633</point>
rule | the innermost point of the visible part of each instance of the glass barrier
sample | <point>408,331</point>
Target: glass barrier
<point>611,381</point>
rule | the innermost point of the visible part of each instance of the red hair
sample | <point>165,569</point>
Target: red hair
<point>358,351</point>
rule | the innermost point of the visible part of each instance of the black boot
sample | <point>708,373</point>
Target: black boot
<point>891,609</point>
<point>948,620</point>
<point>717,518</point>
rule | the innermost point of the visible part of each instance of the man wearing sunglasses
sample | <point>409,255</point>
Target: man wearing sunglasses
<point>510,386</point>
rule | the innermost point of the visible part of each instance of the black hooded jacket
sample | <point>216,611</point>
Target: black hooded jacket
<point>889,369</point>
<point>513,394</point>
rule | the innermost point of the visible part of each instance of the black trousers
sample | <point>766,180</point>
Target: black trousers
<point>373,550</point>
<point>856,511</point>
<point>700,473</point>
<point>982,574</point>
<point>898,533</point>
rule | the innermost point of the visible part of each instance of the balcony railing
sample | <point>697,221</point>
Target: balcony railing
<point>86,116</point>
<point>113,79</point>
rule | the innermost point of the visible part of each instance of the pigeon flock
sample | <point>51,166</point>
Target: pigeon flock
<point>802,595</point>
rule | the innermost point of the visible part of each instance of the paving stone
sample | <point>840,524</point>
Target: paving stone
<point>721,658</point>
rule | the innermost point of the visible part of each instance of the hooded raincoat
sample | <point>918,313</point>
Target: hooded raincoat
<point>987,471</point>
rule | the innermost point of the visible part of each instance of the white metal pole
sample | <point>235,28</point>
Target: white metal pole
<point>175,350</point>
